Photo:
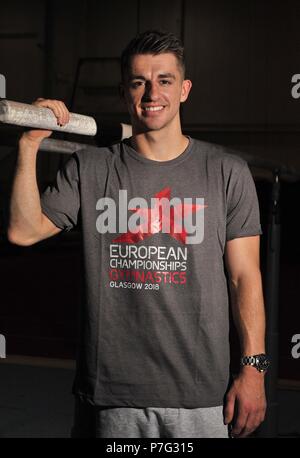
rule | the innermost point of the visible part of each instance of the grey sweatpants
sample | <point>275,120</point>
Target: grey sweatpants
<point>149,422</point>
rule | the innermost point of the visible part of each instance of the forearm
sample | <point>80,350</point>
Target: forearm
<point>245,404</point>
<point>25,207</point>
<point>248,312</point>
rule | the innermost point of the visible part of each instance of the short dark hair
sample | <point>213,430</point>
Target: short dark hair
<point>152,42</point>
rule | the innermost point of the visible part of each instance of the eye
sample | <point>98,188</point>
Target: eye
<point>136,84</point>
<point>165,82</point>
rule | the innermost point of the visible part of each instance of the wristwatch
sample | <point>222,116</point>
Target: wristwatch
<point>260,362</point>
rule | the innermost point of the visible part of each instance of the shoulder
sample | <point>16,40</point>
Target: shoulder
<point>92,158</point>
<point>220,156</point>
<point>94,154</point>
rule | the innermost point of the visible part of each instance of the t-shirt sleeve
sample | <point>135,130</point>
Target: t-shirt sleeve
<point>243,218</point>
<point>60,201</point>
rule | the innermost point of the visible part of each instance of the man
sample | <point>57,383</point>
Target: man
<point>159,213</point>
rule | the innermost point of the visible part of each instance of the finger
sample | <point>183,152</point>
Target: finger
<point>229,409</point>
<point>51,104</point>
<point>253,422</point>
<point>255,418</point>
<point>38,101</point>
<point>239,423</point>
<point>58,110</point>
<point>66,113</point>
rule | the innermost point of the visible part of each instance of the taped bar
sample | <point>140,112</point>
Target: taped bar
<point>22,114</point>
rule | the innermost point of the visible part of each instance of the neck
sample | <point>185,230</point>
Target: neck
<point>158,145</point>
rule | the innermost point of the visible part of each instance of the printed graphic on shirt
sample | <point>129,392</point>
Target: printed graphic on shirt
<point>138,266</point>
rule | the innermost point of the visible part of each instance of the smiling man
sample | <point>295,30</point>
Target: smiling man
<point>153,356</point>
<point>153,88</point>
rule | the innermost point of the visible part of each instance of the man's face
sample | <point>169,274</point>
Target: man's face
<point>153,91</point>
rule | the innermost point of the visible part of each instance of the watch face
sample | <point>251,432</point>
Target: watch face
<point>262,362</point>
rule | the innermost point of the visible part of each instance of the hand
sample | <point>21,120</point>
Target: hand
<point>62,115</point>
<point>245,405</point>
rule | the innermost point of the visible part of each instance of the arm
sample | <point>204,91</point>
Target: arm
<point>245,401</point>
<point>27,223</point>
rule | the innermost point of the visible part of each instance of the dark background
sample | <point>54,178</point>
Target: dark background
<point>241,56</point>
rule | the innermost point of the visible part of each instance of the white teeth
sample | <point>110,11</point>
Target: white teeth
<point>153,108</point>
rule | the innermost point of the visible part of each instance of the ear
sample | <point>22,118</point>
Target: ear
<point>185,90</point>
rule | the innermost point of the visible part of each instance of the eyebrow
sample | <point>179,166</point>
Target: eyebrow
<point>167,75</point>
<point>161,75</point>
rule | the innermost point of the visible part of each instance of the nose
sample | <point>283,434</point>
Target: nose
<point>151,91</point>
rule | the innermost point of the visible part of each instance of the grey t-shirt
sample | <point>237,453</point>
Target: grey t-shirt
<point>154,323</point>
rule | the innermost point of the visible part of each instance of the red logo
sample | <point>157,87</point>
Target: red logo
<point>160,216</point>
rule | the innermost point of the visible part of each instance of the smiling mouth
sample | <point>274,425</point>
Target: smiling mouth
<point>153,109</point>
